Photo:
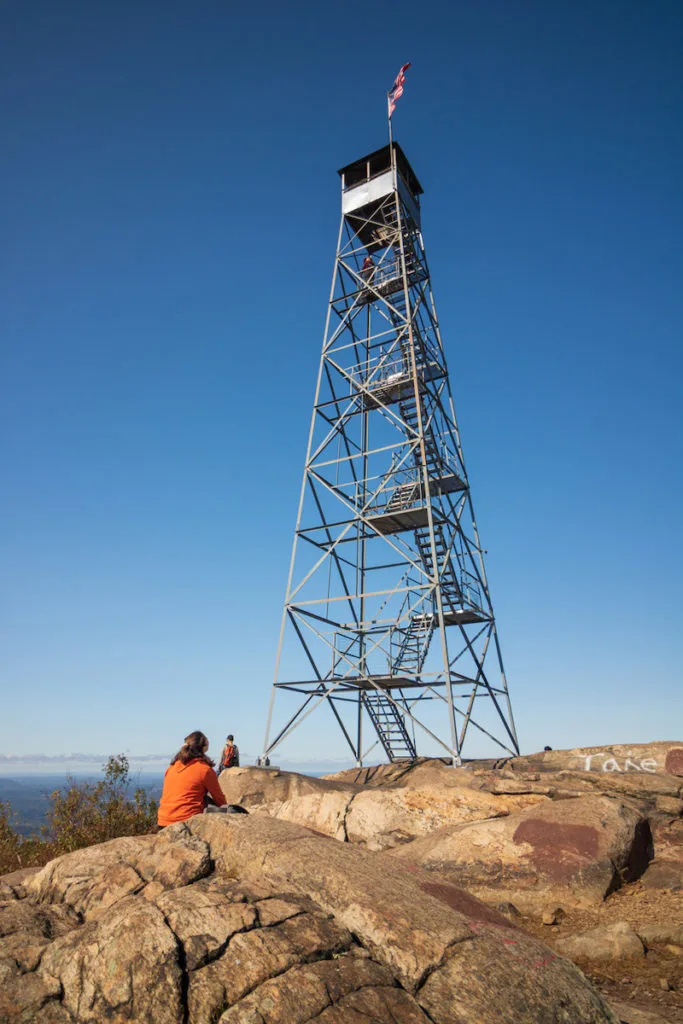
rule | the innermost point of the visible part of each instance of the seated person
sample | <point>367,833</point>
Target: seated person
<point>188,780</point>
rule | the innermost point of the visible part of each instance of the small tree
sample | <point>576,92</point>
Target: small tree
<point>85,813</point>
<point>10,841</point>
<point>16,851</point>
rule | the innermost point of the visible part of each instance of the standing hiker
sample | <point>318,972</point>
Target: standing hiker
<point>230,758</point>
<point>367,271</point>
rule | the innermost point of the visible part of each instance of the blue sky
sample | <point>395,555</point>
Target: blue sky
<point>169,215</point>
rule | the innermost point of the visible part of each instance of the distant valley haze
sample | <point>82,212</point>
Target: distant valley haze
<point>13,765</point>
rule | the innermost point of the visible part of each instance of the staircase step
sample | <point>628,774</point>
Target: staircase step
<point>389,726</point>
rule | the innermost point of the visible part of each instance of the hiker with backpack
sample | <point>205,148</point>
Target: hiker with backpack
<point>230,758</point>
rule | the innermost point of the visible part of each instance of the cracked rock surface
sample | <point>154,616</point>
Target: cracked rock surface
<point>570,826</point>
<point>253,920</point>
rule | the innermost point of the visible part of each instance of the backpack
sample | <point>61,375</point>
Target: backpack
<point>229,759</point>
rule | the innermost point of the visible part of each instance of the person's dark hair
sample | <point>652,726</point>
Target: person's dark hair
<point>193,749</point>
<point>231,737</point>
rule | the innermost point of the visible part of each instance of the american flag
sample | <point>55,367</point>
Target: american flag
<point>396,90</point>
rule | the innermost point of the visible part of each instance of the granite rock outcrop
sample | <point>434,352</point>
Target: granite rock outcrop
<point>576,850</point>
<point>369,896</point>
<point>254,920</point>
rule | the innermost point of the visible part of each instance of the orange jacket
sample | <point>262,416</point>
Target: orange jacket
<point>185,786</point>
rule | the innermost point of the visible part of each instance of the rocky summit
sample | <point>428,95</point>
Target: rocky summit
<point>407,894</point>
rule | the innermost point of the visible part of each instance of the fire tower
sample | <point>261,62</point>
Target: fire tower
<point>388,618</point>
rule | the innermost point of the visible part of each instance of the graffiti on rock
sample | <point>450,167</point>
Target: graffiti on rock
<point>609,763</point>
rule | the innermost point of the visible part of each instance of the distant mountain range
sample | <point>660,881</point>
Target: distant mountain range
<point>25,763</point>
<point>67,759</point>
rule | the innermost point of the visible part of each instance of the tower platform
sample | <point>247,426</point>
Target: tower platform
<point>404,507</point>
<point>399,385</point>
<point>352,684</point>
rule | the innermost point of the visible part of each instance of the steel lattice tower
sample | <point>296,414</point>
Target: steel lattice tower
<point>388,616</point>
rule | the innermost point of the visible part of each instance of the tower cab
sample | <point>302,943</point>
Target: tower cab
<point>366,185</point>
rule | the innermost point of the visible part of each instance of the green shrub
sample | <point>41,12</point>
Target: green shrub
<point>17,852</point>
<point>9,841</point>
<point>85,813</point>
<point>80,814</point>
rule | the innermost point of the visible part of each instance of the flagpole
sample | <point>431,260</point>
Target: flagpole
<point>393,95</point>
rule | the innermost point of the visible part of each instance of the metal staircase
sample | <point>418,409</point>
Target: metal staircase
<point>417,635</point>
<point>413,645</point>
<point>450,588</point>
<point>408,412</point>
<point>389,725</point>
<point>403,497</point>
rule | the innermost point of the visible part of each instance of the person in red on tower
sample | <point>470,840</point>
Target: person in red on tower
<point>230,758</point>
<point>367,271</point>
<point>189,779</point>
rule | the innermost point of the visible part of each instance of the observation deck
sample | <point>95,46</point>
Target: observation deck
<point>386,279</point>
<point>390,382</point>
<point>402,507</point>
<point>365,185</point>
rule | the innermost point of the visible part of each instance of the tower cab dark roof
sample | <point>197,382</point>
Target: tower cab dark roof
<point>377,163</point>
